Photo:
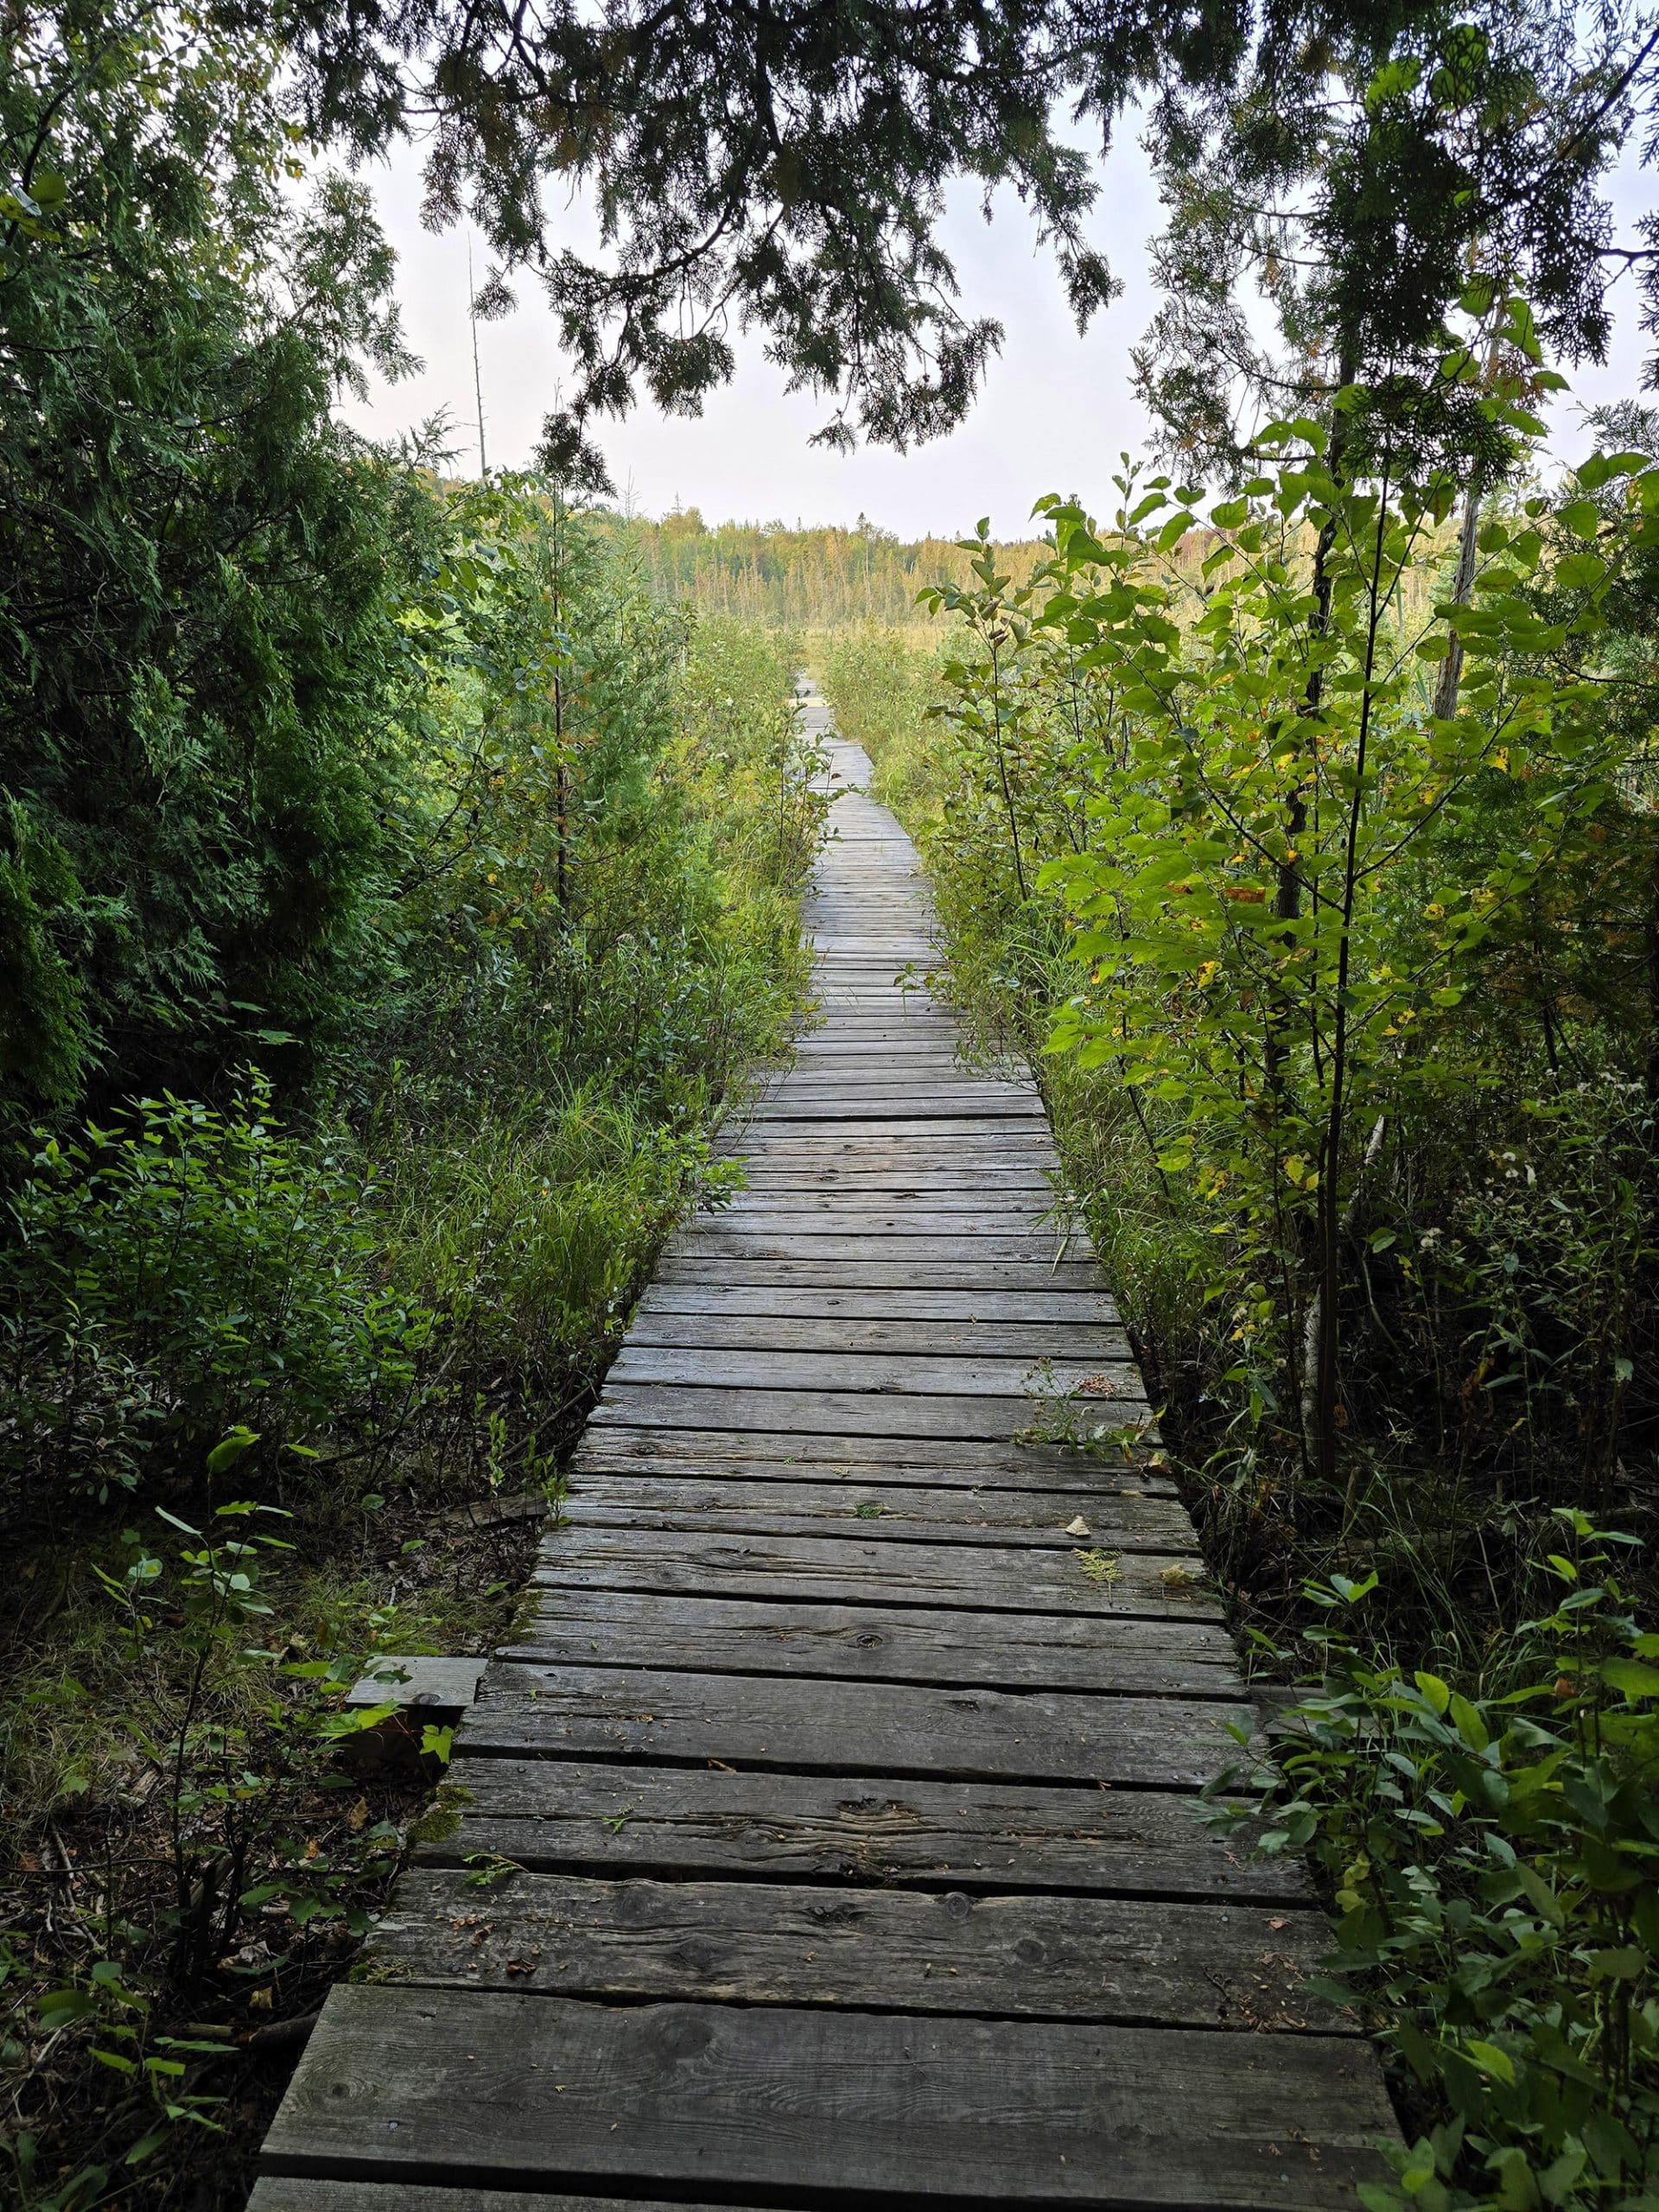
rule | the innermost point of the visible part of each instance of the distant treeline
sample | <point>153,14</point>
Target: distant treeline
<point>802,578</point>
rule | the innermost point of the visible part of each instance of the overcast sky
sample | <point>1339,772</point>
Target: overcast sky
<point>1055,412</point>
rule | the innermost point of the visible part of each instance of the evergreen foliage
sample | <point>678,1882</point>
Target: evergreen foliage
<point>198,665</point>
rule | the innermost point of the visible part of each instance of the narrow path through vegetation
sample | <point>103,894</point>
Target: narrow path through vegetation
<point>829,1834</point>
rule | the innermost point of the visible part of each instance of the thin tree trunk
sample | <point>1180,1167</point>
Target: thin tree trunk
<point>1288,893</point>
<point>1446,691</point>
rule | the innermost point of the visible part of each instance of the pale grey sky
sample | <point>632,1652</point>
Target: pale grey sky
<point>1055,412</point>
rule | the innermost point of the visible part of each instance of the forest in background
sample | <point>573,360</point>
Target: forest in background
<point>822,578</point>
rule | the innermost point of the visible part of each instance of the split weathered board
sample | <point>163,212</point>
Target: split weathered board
<point>830,1835</point>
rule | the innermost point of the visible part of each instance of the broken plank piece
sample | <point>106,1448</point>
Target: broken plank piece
<point>874,1728</point>
<point>618,1819</point>
<point>502,2089</point>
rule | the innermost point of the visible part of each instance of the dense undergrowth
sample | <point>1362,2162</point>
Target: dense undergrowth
<point>394,892</point>
<point>1339,974</point>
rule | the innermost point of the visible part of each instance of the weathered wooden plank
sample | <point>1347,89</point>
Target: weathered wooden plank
<point>893,1114</point>
<point>713,1238</point>
<point>947,1190</point>
<point>804,1164</point>
<point>777,1511</point>
<point>904,1126</point>
<point>504,2089</point>
<point>691,1264</point>
<point>681,1635</point>
<point>767,1215</point>
<point>1154,1963</point>
<point>896,1512</point>
<point>965,1338</point>
<point>924,1137</point>
<point>1022,1152</point>
<point>1021,1143</point>
<point>907,1374</point>
<point>646,1820</point>
<point>848,1570</point>
<point>896,1091</point>
<point>668,1405</point>
<point>956,1462</point>
<point>277,2192</point>
<point>809,1727</point>
<point>976,1307</point>
<point>832,1048</point>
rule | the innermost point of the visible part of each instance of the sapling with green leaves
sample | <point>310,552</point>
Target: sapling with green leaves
<point>1250,722</point>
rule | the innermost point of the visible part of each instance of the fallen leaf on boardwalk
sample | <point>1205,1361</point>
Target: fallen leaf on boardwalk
<point>1099,1567</point>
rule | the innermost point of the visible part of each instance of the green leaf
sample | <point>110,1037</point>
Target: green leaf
<point>1490,2060</point>
<point>1469,1724</point>
<point>1434,1690</point>
<point>1579,571</point>
<point>235,1447</point>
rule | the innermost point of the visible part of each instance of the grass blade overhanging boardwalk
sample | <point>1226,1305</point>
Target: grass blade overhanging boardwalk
<point>845,1771</point>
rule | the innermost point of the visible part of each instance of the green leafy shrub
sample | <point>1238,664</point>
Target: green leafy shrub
<point>188,1271</point>
<point>1494,1861</point>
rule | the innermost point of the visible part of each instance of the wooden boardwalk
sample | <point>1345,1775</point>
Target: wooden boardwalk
<point>843,1785</point>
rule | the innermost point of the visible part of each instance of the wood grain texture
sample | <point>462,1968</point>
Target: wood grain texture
<point>873,1728</point>
<point>1062,1309</point>
<point>872,1273</point>
<point>873,1413</point>
<point>899,1512</point>
<point>874,1643</point>
<point>288,2194</point>
<point>974,1374</point>
<point>846,1569</point>
<point>854,2108</point>
<point>1128,1960</point>
<point>630,1819</point>
<point>1029,1342</point>
<point>948,1463</point>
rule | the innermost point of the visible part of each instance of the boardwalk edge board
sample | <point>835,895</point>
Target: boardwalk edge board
<point>832,1835</point>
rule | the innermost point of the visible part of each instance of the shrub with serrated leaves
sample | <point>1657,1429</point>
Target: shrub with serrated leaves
<point>1493,1855</point>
